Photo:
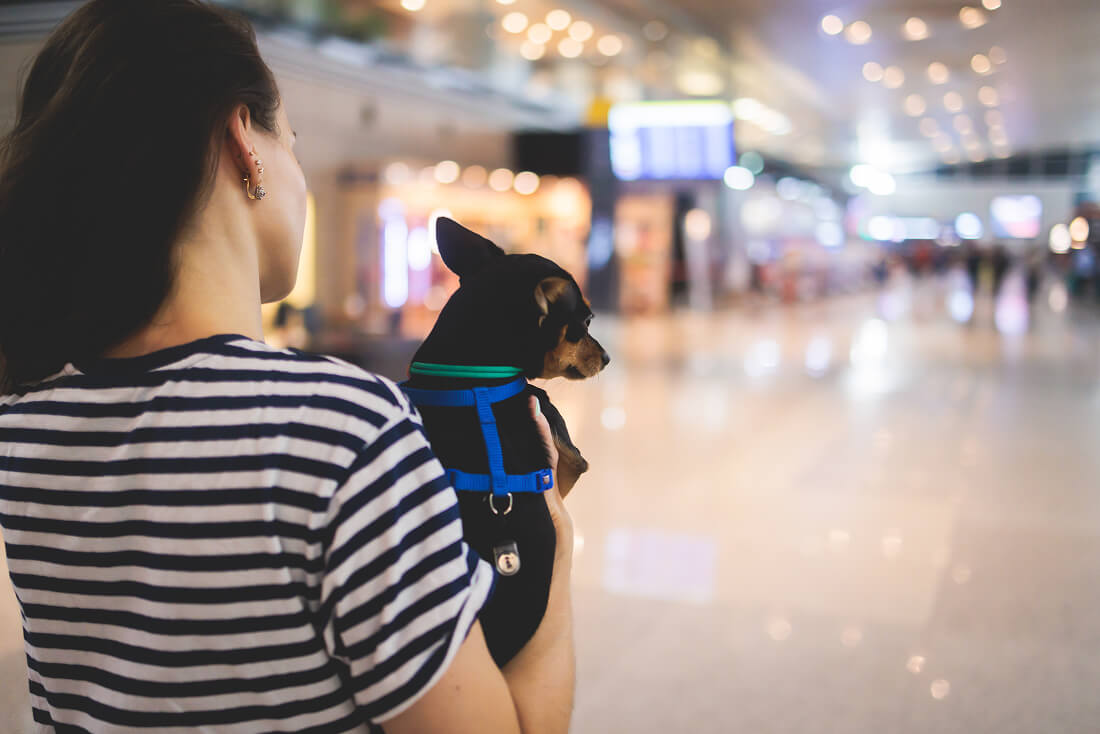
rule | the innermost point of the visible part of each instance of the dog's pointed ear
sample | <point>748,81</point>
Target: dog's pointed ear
<point>463,251</point>
<point>547,292</point>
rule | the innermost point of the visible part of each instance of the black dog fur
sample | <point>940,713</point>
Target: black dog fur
<point>522,311</point>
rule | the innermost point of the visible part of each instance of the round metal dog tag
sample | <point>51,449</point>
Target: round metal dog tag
<point>507,559</point>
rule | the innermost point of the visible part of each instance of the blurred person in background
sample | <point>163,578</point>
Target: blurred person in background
<point>973,265</point>
<point>1000,261</point>
<point>205,531</point>
<point>1034,274</point>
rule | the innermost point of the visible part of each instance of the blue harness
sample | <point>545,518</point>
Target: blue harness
<point>497,481</point>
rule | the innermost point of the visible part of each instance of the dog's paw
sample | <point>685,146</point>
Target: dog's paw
<point>570,462</point>
<point>570,466</point>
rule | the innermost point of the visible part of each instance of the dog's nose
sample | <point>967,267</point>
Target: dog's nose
<point>606,358</point>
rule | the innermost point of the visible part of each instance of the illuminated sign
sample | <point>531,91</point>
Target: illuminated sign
<point>671,140</point>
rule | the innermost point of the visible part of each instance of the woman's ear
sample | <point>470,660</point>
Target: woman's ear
<point>463,251</point>
<point>547,292</point>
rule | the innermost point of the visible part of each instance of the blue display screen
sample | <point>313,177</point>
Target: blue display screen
<point>671,140</point>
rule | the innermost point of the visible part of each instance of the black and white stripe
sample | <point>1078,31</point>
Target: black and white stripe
<point>224,536</point>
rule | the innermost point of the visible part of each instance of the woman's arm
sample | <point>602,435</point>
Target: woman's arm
<point>534,692</point>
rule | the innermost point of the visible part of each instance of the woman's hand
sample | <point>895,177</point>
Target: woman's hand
<point>563,523</point>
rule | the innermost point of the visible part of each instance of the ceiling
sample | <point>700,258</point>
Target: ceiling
<point>777,53</point>
<point>419,76</point>
<point>1047,86</point>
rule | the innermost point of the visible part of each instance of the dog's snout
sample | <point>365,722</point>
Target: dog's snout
<point>605,357</point>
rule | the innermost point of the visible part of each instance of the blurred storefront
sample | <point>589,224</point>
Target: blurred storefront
<point>389,216</point>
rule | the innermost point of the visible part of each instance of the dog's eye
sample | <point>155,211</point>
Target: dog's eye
<point>587,321</point>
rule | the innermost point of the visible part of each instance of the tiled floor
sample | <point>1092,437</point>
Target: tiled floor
<point>855,517</point>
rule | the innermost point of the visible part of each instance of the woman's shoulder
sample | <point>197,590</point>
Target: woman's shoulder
<point>331,384</point>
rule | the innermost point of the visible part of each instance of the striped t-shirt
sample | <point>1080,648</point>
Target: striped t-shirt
<point>224,536</point>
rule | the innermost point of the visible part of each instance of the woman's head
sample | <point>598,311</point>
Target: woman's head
<point>133,132</point>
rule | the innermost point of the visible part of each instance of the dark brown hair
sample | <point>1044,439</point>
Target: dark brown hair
<point>120,124</point>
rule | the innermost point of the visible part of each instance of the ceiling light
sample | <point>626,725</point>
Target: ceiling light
<point>739,178</point>
<point>968,225</point>
<point>539,33</point>
<point>858,33</point>
<point>525,183</point>
<point>506,2</point>
<point>832,25</point>
<point>475,176</point>
<point>558,19</point>
<point>500,179</point>
<point>991,4</point>
<point>988,96</point>
<point>977,155</point>
<point>980,63</point>
<point>699,83</point>
<point>580,31</point>
<point>915,29</point>
<point>953,101</point>
<point>758,113</point>
<point>610,45</point>
<point>997,55</point>
<point>1060,238</point>
<point>396,173</point>
<point>938,73</point>
<point>412,5</point>
<point>515,22</point>
<point>882,184</point>
<point>971,17</point>
<point>446,172</point>
<point>1079,229</point>
<point>893,77</point>
<point>997,136</point>
<point>993,118</point>
<point>861,174</point>
<point>655,30</point>
<point>531,51</point>
<point>943,143</point>
<point>964,124</point>
<point>697,224</point>
<point>914,105</point>
<point>747,108</point>
<point>872,71</point>
<point>570,48</point>
<point>929,128</point>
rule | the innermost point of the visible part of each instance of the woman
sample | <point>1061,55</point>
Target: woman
<point>203,531</point>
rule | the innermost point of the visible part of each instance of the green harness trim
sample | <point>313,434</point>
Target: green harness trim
<point>463,370</point>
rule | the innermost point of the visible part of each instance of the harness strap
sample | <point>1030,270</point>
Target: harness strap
<point>497,480</point>
<point>536,481</point>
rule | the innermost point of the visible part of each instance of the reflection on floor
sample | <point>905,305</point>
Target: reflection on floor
<point>852,517</point>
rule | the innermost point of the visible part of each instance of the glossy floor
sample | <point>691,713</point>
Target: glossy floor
<point>853,517</point>
<point>824,520</point>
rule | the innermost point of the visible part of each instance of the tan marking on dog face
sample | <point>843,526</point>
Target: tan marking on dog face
<point>584,356</point>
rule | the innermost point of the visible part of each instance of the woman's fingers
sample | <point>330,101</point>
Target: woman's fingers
<point>544,432</point>
<point>563,523</point>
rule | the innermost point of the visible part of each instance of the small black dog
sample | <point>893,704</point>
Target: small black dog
<point>525,312</point>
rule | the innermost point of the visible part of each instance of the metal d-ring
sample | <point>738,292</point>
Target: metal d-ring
<point>495,510</point>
